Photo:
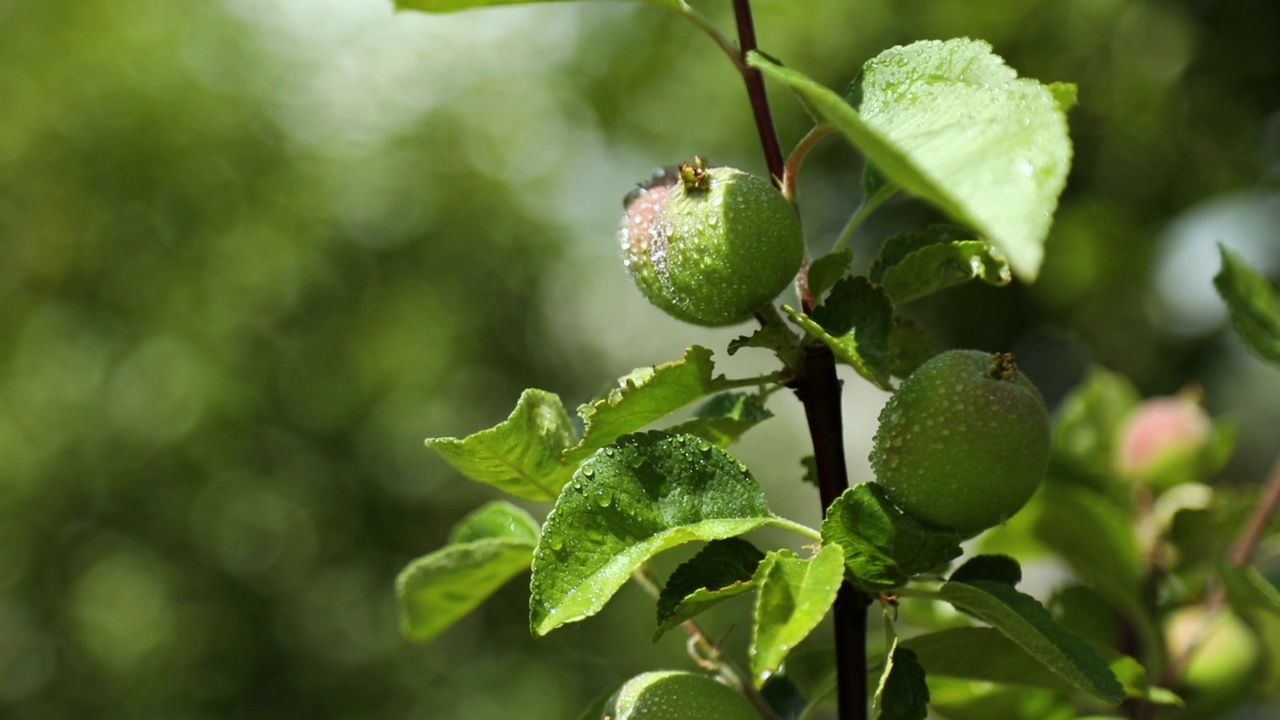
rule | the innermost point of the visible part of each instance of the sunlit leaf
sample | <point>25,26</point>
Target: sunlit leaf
<point>938,267</point>
<point>1254,305</point>
<point>883,546</point>
<point>721,570</point>
<point>487,548</point>
<point>793,596</point>
<point>951,123</point>
<point>628,502</point>
<point>520,455</point>
<point>644,395</point>
<point>897,247</point>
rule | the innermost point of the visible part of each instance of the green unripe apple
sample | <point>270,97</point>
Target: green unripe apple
<point>964,442</point>
<point>710,245</point>
<point>1225,654</point>
<point>675,695</point>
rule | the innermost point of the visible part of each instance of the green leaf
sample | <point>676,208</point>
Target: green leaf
<point>952,653</point>
<point>724,418</point>
<point>995,568</point>
<point>909,346</point>
<point>957,699</point>
<point>1254,305</point>
<point>938,267</point>
<point>628,502</point>
<point>1096,538</point>
<point>487,548</point>
<point>794,595</point>
<point>897,247</point>
<point>882,545</point>
<point>1136,684</point>
<point>445,6</point>
<point>951,123</point>
<point>902,694</point>
<point>496,519</point>
<point>827,270</point>
<point>773,335</point>
<point>520,455</point>
<point>854,321</point>
<point>810,465</point>
<point>719,571</point>
<point>1248,591</point>
<point>644,395</point>
<point>1022,619</point>
<point>1087,424</point>
<point>1065,94</point>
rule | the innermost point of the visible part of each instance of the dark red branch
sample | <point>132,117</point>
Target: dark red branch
<point>756,92</point>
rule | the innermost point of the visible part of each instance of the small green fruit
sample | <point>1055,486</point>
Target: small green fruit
<point>675,695</point>
<point>1225,657</point>
<point>710,246</point>
<point>964,442</point>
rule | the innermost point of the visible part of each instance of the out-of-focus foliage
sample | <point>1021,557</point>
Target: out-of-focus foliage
<point>251,253</point>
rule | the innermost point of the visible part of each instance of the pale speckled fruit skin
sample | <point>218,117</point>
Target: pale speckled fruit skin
<point>712,257</point>
<point>677,695</point>
<point>960,450</point>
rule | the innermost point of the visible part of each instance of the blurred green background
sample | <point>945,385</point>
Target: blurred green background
<point>253,251</point>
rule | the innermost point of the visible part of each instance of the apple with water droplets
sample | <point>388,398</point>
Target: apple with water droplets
<point>710,245</point>
<point>677,695</point>
<point>964,441</point>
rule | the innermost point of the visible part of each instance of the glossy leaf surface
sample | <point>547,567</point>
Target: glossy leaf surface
<point>628,502</point>
<point>644,395</point>
<point>949,122</point>
<point>721,570</point>
<point>883,546</point>
<point>794,594</point>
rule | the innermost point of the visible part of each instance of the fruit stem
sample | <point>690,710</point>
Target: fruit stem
<point>868,206</point>
<point>1241,554</point>
<point>791,171</point>
<point>714,33</point>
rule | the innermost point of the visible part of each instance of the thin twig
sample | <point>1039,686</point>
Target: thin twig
<point>722,40</point>
<point>756,92</point>
<point>1241,553</point>
<point>706,652</point>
